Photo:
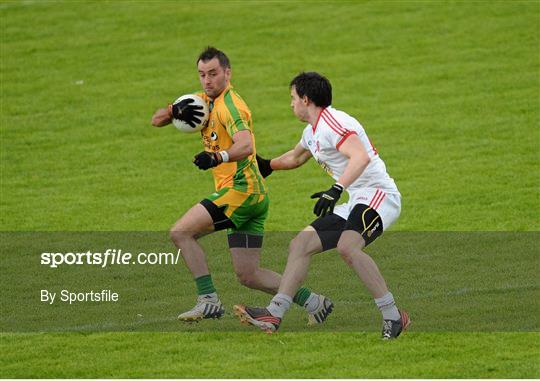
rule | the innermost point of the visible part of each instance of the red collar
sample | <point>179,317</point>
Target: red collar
<point>317,122</point>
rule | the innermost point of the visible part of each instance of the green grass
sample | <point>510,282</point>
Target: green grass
<point>447,91</point>
<point>446,285</point>
<point>288,355</point>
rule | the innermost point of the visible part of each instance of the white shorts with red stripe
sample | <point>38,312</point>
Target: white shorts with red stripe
<point>388,205</point>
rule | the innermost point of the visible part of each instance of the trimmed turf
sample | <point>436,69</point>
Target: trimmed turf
<point>288,355</point>
<point>447,91</point>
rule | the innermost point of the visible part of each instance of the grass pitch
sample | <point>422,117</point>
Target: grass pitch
<point>447,91</point>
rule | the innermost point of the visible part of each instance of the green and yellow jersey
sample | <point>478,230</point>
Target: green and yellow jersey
<point>229,114</point>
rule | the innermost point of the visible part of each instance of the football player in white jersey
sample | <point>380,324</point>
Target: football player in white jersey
<point>341,147</point>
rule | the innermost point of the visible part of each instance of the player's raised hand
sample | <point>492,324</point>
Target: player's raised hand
<point>327,200</point>
<point>187,112</point>
<point>206,160</point>
<point>264,166</point>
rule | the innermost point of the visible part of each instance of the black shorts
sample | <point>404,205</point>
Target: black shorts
<point>329,229</point>
<point>221,222</point>
<point>362,219</point>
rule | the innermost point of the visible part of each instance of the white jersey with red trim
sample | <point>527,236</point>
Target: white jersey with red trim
<point>323,140</point>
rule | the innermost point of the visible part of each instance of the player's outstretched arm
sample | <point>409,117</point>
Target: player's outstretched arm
<point>292,159</point>
<point>289,160</point>
<point>162,117</point>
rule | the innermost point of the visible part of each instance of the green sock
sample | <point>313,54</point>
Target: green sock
<point>301,296</point>
<point>205,285</point>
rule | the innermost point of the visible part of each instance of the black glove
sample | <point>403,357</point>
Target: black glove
<point>327,200</point>
<point>183,110</point>
<point>264,166</point>
<point>206,160</point>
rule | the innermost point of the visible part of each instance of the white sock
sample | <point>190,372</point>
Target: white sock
<point>279,304</point>
<point>312,303</point>
<point>387,305</point>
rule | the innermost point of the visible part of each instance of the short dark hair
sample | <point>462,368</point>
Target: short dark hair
<point>315,86</point>
<point>210,53</point>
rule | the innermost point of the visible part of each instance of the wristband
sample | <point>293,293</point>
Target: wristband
<point>224,156</point>
<point>339,185</point>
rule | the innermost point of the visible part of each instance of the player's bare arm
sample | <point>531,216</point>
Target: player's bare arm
<point>291,159</point>
<point>358,160</point>
<point>161,117</point>
<point>242,146</point>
